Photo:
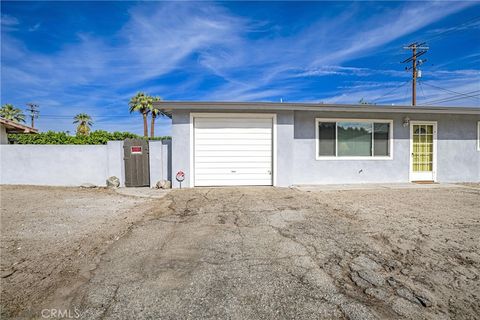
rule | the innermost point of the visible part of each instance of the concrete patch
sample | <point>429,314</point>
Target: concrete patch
<point>375,186</point>
<point>143,192</point>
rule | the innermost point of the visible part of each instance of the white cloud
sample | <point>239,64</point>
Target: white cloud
<point>203,41</point>
<point>399,92</point>
<point>92,72</point>
<point>8,21</point>
<point>34,27</point>
<point>321,50</point>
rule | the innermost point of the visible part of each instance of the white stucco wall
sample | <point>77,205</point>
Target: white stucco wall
<point>115,162</point>
<point>159,161</point>
<point>61,165</point>
<point>458,159</point>
<point>181,147</point>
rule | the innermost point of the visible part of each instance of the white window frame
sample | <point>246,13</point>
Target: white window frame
<point>336,120</point>
<point>478,135</point>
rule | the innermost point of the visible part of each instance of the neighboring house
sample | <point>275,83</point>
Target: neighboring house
<point>9,126</point>
<point>283,144</point>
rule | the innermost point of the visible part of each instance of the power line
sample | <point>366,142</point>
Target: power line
<point>420,84</point>
<point>456,95</point>
<point>447,90</point>
<point>447,99</point>
<point>389,92</point>
<point>405,96</point>
<point>97,119</point>
<point>452,98</point>
<point>453,29</point>
<point>72,116</point>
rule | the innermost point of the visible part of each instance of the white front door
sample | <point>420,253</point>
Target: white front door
<point>233,150</point>
<point>423,137</point>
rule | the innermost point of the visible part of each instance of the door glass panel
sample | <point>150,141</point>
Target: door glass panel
<point>419,129</point>
<point>422,157</point>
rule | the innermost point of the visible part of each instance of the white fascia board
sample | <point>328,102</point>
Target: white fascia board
<point>260,106</point>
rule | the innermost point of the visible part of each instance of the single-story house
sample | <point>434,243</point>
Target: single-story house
<point>283,144</point>
<point>9,126</point>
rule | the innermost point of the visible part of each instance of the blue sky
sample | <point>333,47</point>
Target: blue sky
<point>72,57</point>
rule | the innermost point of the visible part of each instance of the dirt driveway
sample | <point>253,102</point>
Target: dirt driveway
<point>267,253</point>
<point>51,239</point>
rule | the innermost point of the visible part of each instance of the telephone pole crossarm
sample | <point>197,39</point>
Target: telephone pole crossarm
<point>33,109</point>
<point>418,49</point>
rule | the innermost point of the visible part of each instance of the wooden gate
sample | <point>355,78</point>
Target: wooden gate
<point>136,158</point>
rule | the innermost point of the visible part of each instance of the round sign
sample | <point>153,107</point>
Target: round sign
<point>180,176</point>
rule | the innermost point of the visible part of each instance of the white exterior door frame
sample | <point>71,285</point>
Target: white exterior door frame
<point>193,115</point>
<point>412,176</point>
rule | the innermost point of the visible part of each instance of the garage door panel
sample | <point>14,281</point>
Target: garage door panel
<point>238,165</point>
<point>208,123</point>
<point>228,159</point>
<point>208,183</point>
<point>231,136</point>
<point>242,147</point>
<point>232,151</point>
<point>227,171</point>
<point>265,131</point>
<point>239,142</point>
<point>234,176</point>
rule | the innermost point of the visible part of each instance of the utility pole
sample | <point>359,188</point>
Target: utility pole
<point>418,49</point>
<point>33,109</point>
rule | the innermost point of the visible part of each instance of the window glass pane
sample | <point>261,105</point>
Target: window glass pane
<point>326,137</point>
<point>354,139</point>
<point>381,139</point>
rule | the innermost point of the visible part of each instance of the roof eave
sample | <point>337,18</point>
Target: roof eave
<point>169,106</point>
<point>14,127</point>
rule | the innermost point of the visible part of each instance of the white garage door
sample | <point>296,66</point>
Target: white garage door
<point>232,151</point>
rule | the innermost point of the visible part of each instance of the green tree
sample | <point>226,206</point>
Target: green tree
<point>142,103</point>
<point>154,113</point>
<point>9,112</point>
<point>84,123</point>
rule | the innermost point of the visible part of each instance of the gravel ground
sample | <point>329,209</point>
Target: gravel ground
<point>51,238</point>
<point>261,253</point>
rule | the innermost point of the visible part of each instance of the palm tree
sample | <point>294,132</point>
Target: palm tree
<point>84,123</point>
<point>141,102</point>
<point>9,112</point>
<point>154,113</point>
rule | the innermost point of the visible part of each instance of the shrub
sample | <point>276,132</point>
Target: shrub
<point>95,137</point>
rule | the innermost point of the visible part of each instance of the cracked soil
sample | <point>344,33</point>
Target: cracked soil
<point>242,253</point>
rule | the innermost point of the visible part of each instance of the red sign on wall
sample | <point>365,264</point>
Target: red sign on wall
<point>136,150</point>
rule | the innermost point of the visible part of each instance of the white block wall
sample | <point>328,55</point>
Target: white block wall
<point>61,165</point>
<point>159,161</point>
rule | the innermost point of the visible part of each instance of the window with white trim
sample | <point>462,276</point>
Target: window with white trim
<point>478,135</point>
<point>353,138</point>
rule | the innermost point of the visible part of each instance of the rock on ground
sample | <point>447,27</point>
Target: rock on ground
<point>113,182</point>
